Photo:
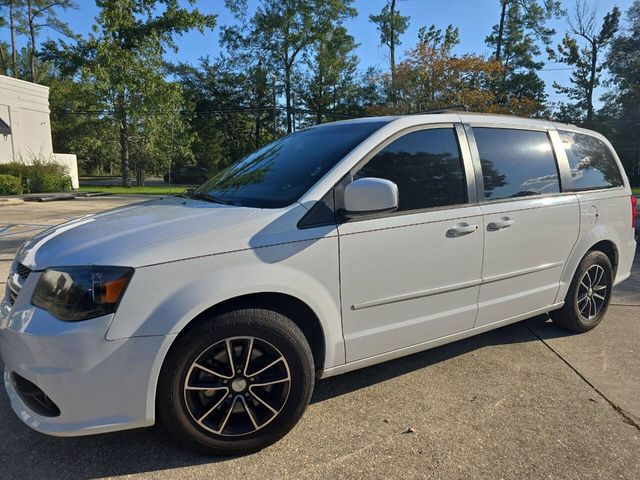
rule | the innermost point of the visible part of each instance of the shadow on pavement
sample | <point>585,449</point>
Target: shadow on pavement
<point>25,452</point>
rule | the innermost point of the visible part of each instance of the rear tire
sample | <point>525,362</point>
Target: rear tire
<point>589,294</point>
<point>236,383</point>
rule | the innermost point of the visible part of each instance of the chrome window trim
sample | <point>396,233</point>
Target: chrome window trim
<point>465,158</point>
<point>560,168</point>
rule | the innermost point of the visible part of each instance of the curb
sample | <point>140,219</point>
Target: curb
<point>10,201</point>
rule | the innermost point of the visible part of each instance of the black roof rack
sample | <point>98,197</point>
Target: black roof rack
<point>452,108</point>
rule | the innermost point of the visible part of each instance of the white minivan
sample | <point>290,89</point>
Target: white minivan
<point>334,248</point>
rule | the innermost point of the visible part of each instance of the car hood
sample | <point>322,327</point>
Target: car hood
<point>157,231</point>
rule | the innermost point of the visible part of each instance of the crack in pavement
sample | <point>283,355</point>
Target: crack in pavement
<point>627,417</point>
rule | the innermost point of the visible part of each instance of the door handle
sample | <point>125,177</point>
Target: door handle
<point>461,229</point>
<point>504,222</point>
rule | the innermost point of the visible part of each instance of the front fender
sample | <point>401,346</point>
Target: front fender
<point>163,299</point>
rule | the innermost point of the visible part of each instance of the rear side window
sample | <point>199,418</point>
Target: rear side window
<point>427,167</point>
<point>516,163</point>
<point>591,162</point>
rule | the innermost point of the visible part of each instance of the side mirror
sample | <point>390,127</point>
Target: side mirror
<point>368,196</point>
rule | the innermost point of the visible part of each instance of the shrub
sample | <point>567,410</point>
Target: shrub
<point>39,175</point>
<point>10,185</point>
<point>47,182</point>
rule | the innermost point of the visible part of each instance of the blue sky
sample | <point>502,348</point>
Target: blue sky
<point>474,18</point>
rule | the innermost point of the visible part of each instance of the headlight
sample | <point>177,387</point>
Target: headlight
<point>79,293</point>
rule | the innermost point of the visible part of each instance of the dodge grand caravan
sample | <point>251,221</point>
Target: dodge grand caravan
<point>331,249</point>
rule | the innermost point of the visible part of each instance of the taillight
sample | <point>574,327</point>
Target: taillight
<point>634,212</point>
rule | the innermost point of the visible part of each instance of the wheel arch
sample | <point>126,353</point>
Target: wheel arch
<point>283,303</point>
<point>606,245</point>
<point>609,248</point>
<point>292,307</point>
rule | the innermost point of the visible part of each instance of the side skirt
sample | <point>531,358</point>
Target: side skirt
<point>401,352</point>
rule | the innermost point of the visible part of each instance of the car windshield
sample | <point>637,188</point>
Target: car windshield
<point>279,173</point>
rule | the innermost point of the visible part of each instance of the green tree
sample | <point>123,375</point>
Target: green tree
<point>520,21</point>
<point>391,25</point>
<point>331,65</point>
<point>4,52</point>
<point>233,110</point>
<point>514,39</point>
<point>39,14</point>
<point>125,61</point>
<point>431,76</point>
<point>586,60</point>
<point>280,31</point>
<point>622,102</point>
<point>14,13</point>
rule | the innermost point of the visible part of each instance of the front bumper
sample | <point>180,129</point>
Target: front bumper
<point>98,385</point>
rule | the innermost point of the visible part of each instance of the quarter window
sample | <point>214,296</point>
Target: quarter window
<point>427,167</point>
<point>591,162</point>
<point>516,163</point>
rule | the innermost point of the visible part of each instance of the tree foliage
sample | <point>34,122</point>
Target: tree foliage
<point>124,109</point>
<point>281,31</point>
<point>586,60</point>
<point>622,103</point>
<point>391,25</point>
<point>124,62</point>
<point>516,40</point>
<point>37,15</point>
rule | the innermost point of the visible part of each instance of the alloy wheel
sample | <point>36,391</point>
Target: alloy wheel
<point>237,386</point>
<point>592,292</point>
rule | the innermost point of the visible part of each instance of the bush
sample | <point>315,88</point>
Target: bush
<point>47,182</point>
<point>10,185</point>
<point>39,175</point>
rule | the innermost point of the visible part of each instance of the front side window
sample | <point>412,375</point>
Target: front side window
<point>278,174</point>
<point>425,165</point>
<point>516,163</point>
<point>591,162</point>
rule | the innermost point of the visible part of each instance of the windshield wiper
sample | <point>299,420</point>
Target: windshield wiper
<point>209,198</point>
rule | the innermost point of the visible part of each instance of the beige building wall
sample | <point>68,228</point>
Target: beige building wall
<point>24,106</point>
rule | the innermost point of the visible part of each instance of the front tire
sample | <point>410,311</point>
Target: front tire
<point>236,383</point>
<point>588,297</point>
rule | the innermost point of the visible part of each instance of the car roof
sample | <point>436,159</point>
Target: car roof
<point>476,118</point>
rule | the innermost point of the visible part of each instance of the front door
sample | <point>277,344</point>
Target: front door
<point>413,275</point>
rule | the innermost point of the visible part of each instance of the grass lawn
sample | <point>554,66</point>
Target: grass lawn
<point>636,190</point>
<point>117,189</point>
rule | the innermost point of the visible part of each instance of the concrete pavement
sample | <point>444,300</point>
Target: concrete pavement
<point>525,401</point>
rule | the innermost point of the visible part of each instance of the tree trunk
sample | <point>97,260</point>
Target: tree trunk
<point>257,130</point>
<point>5,63</point>
<point>287,91</point>
<point>32,34</point>
<point>14,54</point>
<point>592,80</point>
<point>503,15</point>
<point>275,111</point>
<point>139,175</point>
<point>124,143</point>
<point>392,51</point>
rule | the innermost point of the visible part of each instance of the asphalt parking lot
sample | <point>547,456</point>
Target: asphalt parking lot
<point>526,401</point>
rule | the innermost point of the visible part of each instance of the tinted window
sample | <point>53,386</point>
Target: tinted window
<point>427,167</point>
<point>516,163</point>
<point>591,162</point>
<point>279,173</point>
